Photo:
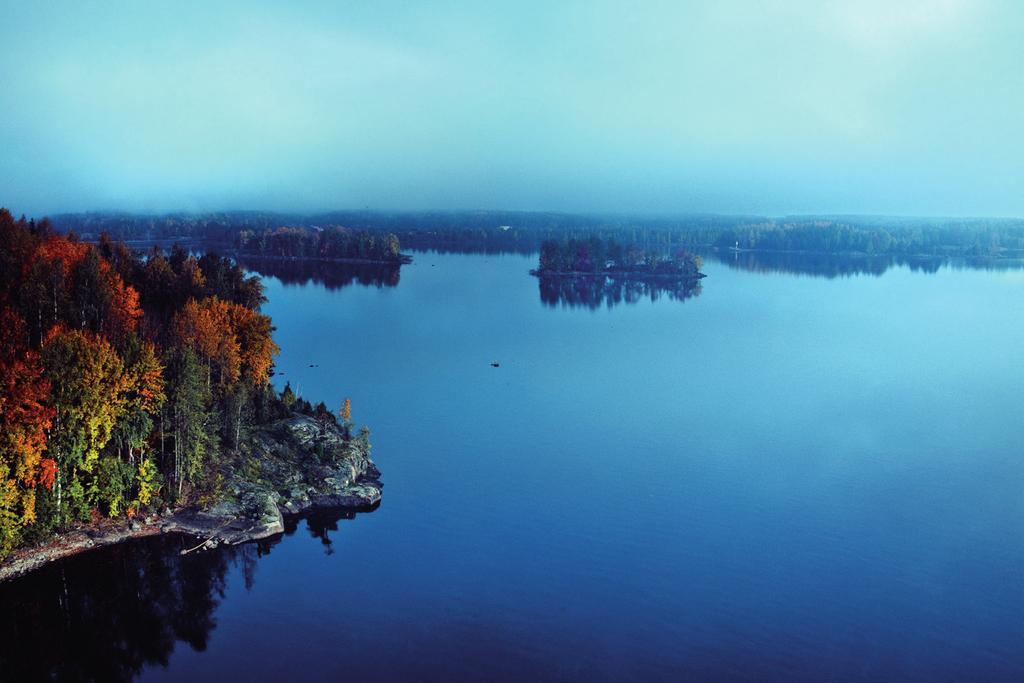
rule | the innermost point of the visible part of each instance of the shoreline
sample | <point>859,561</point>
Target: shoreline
<point>216,530</point>
<point>403,259</point>
<point>623,275</point>
<point>74,542</point>
<point>295,482</point>
<point>859,254</point>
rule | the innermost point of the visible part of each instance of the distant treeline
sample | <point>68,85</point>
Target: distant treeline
<point>330,243</point>
<point>904,237</point>
<point>597,256</point>
<point>457,232</point>
<point>524,232</point>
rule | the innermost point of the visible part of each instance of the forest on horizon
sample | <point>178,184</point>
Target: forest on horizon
<point>524,231</point>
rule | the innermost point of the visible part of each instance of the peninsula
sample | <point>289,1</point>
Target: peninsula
<point>135,398</point>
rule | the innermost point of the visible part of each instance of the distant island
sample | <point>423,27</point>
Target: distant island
<point>332,243</point>
<point>135,399</point>
<point>597,257</point>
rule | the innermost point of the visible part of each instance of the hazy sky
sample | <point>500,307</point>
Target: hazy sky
<point>873,106</point>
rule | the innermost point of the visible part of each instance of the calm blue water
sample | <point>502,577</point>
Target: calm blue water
<point>783,478</point>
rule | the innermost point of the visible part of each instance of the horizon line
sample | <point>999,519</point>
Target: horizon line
<point>662,215</point>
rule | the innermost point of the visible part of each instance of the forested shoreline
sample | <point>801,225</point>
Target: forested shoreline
<point>128,382</point>
<point>370,232</point>
<point>333,243</point>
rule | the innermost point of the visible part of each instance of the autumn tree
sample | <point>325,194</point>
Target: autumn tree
<point>237,348</point>
<point>147,480</point>
<point>24,419</point>
<point>143,386</point>
<point>190,280</point>
<point>287,395</point>
<point>46,295</point>
<point>188,400</point>
<point>256,346</point>
<point>346,418</point>
<point>206,327</point>
<point>88,399</point>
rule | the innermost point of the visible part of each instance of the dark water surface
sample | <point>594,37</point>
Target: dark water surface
<point>781,477</point>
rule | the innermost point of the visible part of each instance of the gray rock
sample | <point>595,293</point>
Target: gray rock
<point>301,464</point>
<point>226,508</point>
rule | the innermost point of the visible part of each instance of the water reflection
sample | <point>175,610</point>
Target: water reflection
<point>108,614</point>
<point>320,524</point>
<point>330,274</point>
<point>596,291</point>
<point>817,265</point>
<point>848,265</point>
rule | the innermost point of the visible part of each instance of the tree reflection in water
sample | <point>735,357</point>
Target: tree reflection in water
<point>331,274</point>
<point>595,291</point>
<point>319,523</point>
<point>832,266</point>
<point>847,265</point>
<point>106,615</point>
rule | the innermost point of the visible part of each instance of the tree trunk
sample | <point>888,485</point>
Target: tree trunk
<point>59,510</point>
<point>177,451</point>
<point>238,423</point>
<point>174,435</point>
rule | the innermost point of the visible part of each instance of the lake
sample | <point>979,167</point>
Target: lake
<point>798,473</point>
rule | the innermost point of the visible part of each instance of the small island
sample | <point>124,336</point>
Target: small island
<point>332,243</point>
<point>135,399</point>
<point>598,257</point>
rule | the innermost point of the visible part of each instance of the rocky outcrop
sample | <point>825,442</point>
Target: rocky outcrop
<point>294,465</point>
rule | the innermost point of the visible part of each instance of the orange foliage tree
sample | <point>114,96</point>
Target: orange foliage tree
<point>257,348</point>
<point>206,327</point>
<point>231,339</point>
<point>24,419</point>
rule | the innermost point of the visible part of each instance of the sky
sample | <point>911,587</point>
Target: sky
<point>897,107</point>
